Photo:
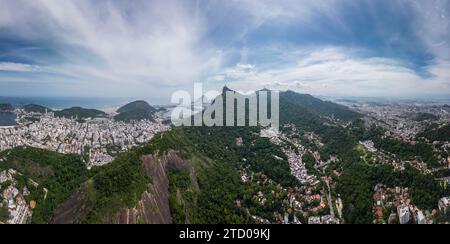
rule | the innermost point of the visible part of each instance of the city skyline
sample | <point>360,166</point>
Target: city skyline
<point>151,49</point>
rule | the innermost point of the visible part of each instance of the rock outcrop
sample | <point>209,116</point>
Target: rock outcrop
<point>154,208</point>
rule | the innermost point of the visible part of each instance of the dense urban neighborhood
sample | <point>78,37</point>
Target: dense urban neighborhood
<point>99,139</point>
<point>404,123</point>
<point>14,199</point>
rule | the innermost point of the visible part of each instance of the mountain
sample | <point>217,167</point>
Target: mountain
<point>138,110</point>
<point>136,105</point>
<point>132,189</point>
<point>317,106</point>
<point>424,117</point>
<point>436,133</point>
<point>304,110</point>
<point>183,176</point>
<point>190,175</point>
<point>80,113</point>
<point>34,108</point>
<point>312,104</point>
<point>312,114</point>
<point>6,107</point>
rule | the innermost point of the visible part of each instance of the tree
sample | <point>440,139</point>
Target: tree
<point>4,213</point>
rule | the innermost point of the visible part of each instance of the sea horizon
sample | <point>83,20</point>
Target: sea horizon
<point>58,103</point>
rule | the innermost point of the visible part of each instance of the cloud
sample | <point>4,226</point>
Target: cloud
<point>408,53</point>
<point>333,71</point>
<point>18,67</point>
<point>433,25</point>
<point>110,43</point>
<point>149,48</point>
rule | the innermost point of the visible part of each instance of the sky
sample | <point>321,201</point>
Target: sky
<point>149,49</point>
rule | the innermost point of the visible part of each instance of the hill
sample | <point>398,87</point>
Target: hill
<point>80,113</point>
<point>425,116</point>
<point>34,108</point>
<point>6,107</point>
<point>136,105</point>
<point>181,176</point>
<point>50,177</point>
<point>305,110</point>
<point>436,133</point>
<point>138,110</point>
<point>317,106</point>
<point>188,175</point>
<point>195,171</point>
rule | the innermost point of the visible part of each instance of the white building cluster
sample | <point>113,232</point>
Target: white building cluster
<point>99,139</point>
<point>13,198</point>
<point>399,118</point>
<point>369,145</point>
<point>298,168</point>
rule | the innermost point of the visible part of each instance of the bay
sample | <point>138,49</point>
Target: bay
<point>8,119</point>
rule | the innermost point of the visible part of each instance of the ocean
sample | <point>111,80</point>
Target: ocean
<point>7,119</point>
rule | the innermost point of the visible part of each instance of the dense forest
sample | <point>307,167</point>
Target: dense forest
<point>34,108</point>
<point>80,113</point>
<point>425,116</point>
<point>316,106</point>
<point>135,115</point>
<point>4,213</point>
<point>137,110</point>
<point>436,133</point>
<point>115,186</point>
<point>121,184</point>
<point>258,153</point>
<point>403,150</point>
<point>358,181</point>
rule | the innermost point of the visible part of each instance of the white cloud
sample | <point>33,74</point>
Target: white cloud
<point>333,71</point>
<point>146,47</point>
<point>107,42</point>
<point>433,25</point>
<point>18,67</point>
<point>341,71</point>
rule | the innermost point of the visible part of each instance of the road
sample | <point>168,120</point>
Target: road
<point>330,201</point>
